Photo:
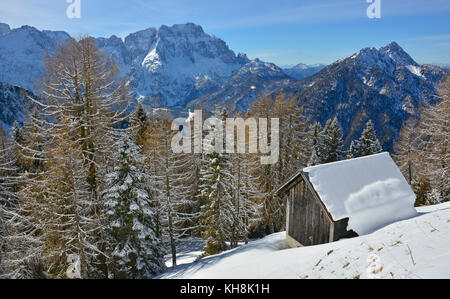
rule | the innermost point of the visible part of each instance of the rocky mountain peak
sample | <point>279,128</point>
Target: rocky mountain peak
<point>387,57</point>
<point>398,54</point>
<point>242,58</point>
<point>188,29</point>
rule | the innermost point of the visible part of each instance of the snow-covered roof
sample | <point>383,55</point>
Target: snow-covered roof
<point>370,190</point>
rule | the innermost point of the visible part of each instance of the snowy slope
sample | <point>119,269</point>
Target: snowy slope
<point>256,78</point>
<point>415,248</point>
<point>14,104</point>
<point>22,51</point>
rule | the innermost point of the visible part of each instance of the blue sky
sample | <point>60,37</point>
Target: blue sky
<point>282,31</point>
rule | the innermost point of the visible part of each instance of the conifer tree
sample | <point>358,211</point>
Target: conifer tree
<point>330,142</point>
<point>133,248</point>
<point>434,151</point>
<point>247,197</point>
<point>273,206</point>
<point>368,144</point>
<point>216,190</point>
<point>70,229</point>
<point>405,150</point>
<point>82,88</point>
<point>173,183</point>
<point>422,148</point>
<point>82,84</point>
<point>29,210</point>
<point>294,147</point>
<point>141,124</point>
<point>353,150</point>
<point>315,143</point>
<point>217,213</point>
<point>7,196</point>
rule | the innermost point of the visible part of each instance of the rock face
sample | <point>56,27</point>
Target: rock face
<point>179,63</point>
<point>14,103</point>
<point>254,79</point>
<point>22,51</point>
<point>382,84</point>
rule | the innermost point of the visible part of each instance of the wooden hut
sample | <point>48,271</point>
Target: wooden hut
<point>370,192</point>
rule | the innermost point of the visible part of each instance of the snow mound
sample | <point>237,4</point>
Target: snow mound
<point>378,204</point>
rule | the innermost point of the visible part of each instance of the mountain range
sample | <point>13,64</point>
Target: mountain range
<point>183,67</point>
<point>382,84</point>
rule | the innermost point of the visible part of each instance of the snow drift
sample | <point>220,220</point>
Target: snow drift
<point>378,204</point>
<point>371,191</point>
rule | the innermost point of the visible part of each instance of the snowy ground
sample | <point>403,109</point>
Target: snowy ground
<point>188,251</point>
<point>415,248</point>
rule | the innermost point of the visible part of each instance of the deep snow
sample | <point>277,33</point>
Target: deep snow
<point>415,248</point>
<point>370,190</point>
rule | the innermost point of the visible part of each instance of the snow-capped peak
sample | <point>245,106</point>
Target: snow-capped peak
<point>179,61</point>
<point>190,29</point>
<point>398,54</point>
<point>385,57</point>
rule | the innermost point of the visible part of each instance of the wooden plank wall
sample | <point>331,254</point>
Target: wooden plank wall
<point>308,222</point>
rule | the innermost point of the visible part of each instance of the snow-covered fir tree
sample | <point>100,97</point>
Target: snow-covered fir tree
<point>133,249</point>
<point>368,143</point>
<point>294,147</point>
<point>330,145</point>
<point>216,190</point>
<point>217,213</point>
<point>314,141</point>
